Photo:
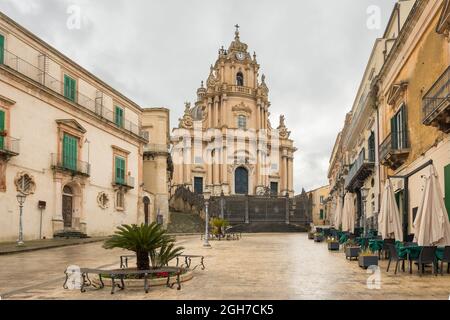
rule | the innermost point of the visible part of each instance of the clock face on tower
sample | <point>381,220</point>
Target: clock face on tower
<point>240,56</point>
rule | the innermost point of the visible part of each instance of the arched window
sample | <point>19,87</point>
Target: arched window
<point>242,122</point>
<point>240,79</point>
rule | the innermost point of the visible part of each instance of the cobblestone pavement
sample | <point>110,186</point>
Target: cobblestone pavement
<point>263,266</point>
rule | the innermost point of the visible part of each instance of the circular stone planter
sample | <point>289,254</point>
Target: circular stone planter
<point>138,283</point>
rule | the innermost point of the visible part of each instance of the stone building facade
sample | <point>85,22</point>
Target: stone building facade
<point>225,142</point>
<point>71,143</point>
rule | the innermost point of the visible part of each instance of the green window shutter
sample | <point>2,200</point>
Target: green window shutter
<point>2,128</point>
<point>394,137</point>
<point>70,86</point>
<point>447,188</point>
<point>118,116</point>
<point>2,49</point>
<point>120,170</point>
<point>404,129</point>
<point>321,214</point>
<point>70,152</point>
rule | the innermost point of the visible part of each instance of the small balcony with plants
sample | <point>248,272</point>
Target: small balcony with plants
<point>436,104</point>
<point>70,165</point>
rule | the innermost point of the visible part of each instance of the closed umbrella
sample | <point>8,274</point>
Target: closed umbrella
<point>338,214</point>
<point>389,224</point>
<point>348,214</point>
<point>432,226</point>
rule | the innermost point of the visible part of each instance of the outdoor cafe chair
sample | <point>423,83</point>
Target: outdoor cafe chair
<point>445,259</point>
<point>385,248</point>
<point>393,256</point>
<point>427,257</point>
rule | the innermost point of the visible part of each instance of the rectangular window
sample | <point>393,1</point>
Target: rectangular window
<point>2,49</point>
<point>274,188</point>
<point>371,145</point>
<point>242,122</point>
<point>321,199</point>
<point>447,188</point>
<point>70,152</point>
<point>119,170</point>
<point>118,116</point>
<point>399,130</point>
<point>70,88</point>
<point>120,200</point>
<point>198,185</point>
<point>321,214</point>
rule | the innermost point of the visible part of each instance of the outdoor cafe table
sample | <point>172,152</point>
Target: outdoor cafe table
<point>412,252</point>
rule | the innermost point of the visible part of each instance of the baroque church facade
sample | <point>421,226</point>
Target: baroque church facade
<point>225,143</point>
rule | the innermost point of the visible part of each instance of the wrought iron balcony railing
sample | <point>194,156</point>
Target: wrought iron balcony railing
<point>393,155</point>
<point>436,103</point>
<point>9,146</point>
<point>44,78</point>
<point>127,182</point>
<point>360,170</point>
<point>70,165</point>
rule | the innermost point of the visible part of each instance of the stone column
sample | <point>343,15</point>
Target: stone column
<point>57,220</point>
<point>216,112</point>
<point>291,174</point>
<point>210,113</point>
<point>210,171</point>
<point>223,109</point>
<point>258,116</point>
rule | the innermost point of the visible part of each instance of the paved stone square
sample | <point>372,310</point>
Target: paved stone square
<point>260,266</point>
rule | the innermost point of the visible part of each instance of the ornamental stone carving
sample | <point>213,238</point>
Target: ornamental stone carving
<point>25,183</point>
<point>103,200</point>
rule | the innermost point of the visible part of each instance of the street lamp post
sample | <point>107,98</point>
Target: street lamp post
<point>364,194</point>
<point>21,200</point>
<point>207,196</point>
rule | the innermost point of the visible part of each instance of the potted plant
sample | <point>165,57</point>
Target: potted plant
<point>219,226</point>
<point>333,244</point>
<point>318,237</point>
<point>367,258</point>
<point>352,249</point>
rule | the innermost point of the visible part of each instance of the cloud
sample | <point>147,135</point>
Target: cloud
<point>157,52</point>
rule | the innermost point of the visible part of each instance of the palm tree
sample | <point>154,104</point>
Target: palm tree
<point>144,240</point>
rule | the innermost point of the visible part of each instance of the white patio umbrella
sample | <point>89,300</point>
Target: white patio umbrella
<point>432,226</point>
<point>348,214</point>
<point>389,224</point>
<point>338,214</point>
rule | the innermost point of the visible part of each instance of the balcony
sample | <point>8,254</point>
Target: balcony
<point>71,166</point>
<point>43,78</point>
<point>393,155</point>
<point>9,147</point>
<point>152,149</point>
<point>436,104</point>
<point>360,170</point>
<point>127,182</point>
<point>247,91</point>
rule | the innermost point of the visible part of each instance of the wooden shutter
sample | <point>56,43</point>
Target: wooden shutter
<point>2,49</point>
<point>2,128</point>
<point>394,137</point>
<point>404,124</point>
<point>120,170</point>
<point>119,116</point>
<point>447,188</point>
<point>69,88</point>
<point>70,152</point>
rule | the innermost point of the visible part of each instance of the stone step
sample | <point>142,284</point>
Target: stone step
<point>268,227</point>
<point>70,234</point>
<point>185,223</point>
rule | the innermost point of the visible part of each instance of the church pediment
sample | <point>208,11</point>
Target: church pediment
<point>443,26</point>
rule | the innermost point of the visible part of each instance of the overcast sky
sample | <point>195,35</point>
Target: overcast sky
<point>156,52</point>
